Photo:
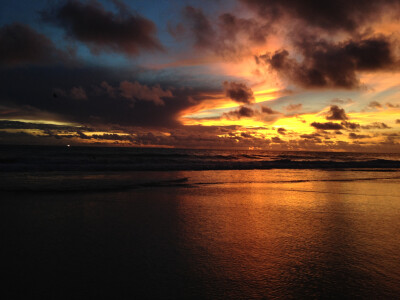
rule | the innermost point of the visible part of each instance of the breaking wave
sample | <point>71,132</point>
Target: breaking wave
<point>37,158</point>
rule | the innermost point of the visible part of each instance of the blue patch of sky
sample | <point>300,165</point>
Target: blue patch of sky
<point>21,11</point>
<point>391,95</point>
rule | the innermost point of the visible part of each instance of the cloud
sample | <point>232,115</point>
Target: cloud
<point>342,101</point>
<point>232,26</point>
<point>230,37</point>
<point>242,112</point>
<point>110,90</point>
<point>135,90</point>
<point>277,140</point>
<point>269,111</point>
<point>354,136</point>
<point>184,136</point>
<point>374,104</point>
<point>78,93</point>
<point>20,44</point>
<point>350,125</point>
<point>376,125</point>
<point>238,92</point>
<point>332,65</point>
<point>281,130</point>
<point>393,105</point>
<point>29,93</point>
<point>312,136</point>
<point>113,137</point>
<point>336,113</point>
<point>398,121</point>
<point>104,31</point>
<point>265,114</point>
<point>327,126</point>
<point>200,27</point>
<point>246,135</point>
<point>294,107</point>
<point>331,15</point>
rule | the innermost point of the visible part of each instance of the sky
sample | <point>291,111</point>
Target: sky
<point>236,74</point>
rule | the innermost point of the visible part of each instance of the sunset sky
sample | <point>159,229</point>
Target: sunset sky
<point>241,74</point>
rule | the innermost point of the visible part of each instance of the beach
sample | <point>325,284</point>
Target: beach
<point>206,234</point>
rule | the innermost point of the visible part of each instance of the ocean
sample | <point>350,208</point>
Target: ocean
<point>90,222</point>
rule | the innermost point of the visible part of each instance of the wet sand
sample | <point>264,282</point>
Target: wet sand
<point>216,234</point>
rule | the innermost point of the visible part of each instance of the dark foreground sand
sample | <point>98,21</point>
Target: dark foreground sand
<point>210,234</point>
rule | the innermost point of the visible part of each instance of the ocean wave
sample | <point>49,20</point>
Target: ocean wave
<point>188,165</point>
<point>40,158</point>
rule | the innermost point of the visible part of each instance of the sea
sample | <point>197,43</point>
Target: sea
<point>147,223</point>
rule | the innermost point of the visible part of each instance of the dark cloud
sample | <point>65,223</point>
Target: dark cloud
<point>231,26</point>
<point>246,135</point>
<point>200,26</point>
<point>277,140</point>
<point>327,126</point>
<point>398,121</point>
<point>393,105</point>
<point>267,110</point>
<point>78,93</point>
<point>354,136</point>
<point>265,114</point>
<point>104,31</point>
<point>113,136</point>
<point>376,125</point>
<point>391,139</point>
<point>183,137</point>
<point>318,61</point>
<point>28,93</point>
<point>203,137</point>
<point>330,15</point>
<point>312,136</point>
<point>281,130</point>
<point>109,89</point>
<point>135,90</point>
<point>20,44</point>
<point>238,92</point>
<point>350,125</point>
<point>242,112</point>
<point>336,113</point>
<point>333,65</point>
<point>82,135</point>
<point>374,104</point>
<point>230,36</point>
<point>355,126</point>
